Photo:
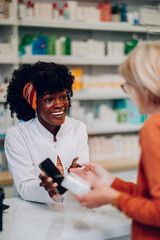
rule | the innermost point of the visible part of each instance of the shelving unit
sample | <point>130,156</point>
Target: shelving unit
<point>5,178</point>
<point>99,95</point>
<point>7,64</point>
<point>9,22</point>
<point>115,128</point>
<point>9,60</point>
<point>93,30</point>
<point>69,60</point>
<point>97,26</point>
<point>122,164</point>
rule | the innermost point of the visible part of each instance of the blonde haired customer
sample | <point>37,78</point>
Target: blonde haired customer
<point>140,201</point>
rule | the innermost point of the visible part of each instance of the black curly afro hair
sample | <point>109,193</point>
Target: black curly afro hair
<point>46,77</point>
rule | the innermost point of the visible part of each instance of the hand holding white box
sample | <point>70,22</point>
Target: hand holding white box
<point>76,184</point>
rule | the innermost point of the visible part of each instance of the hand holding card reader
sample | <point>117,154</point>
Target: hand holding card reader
<point>72,182</point>
<point>52,171</point>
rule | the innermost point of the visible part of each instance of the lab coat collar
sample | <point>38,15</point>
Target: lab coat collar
<point>49,135</point>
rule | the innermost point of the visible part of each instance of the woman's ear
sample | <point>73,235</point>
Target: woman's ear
<point>147,95</point>
<point>152,99</point>
<point>146,92</point>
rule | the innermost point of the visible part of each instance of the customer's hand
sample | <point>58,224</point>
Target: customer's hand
<point>104,177</point>
<point>49,185</point>
<point>100,179</point>
<point>99,195</point>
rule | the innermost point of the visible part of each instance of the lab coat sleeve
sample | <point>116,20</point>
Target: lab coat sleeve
<point>83,149</point>
<point>22,169</point>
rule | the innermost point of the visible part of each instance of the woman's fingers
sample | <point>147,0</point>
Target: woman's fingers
<point>75,164</point>
<point>75,159</point>
<point>53,191</point>
<point>55,184</point>
<point>90,164</point>
<point>82,172</point>
<point>48,184</point>
<point>42,174</point>
<point>76,170</point>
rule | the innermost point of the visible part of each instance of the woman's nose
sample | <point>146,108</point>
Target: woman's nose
<point>58,102</point>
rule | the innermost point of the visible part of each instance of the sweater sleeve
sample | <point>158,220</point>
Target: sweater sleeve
<point>146,208</point>
<point>123,186</point>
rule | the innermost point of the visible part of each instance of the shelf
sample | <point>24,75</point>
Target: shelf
<point>120,164</point>
<point>98,26</point>
<point>115,128</point>
<point>9,22</point>
<point>9,60</point>
<point>99,95</point>
<point>5,178</point>
<point>70,60</point>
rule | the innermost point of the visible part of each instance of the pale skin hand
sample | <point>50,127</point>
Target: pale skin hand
<point>100,180</point>
<point>49,185</point>
<point>103,175</point>
<point>100,194</point>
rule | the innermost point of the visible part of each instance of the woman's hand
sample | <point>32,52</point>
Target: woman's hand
<point>104,177</point>
<point>100,179</point>
<point>98,196</point>
<point>100,193</point>
<point>49,185</point>
<point>75,164</point>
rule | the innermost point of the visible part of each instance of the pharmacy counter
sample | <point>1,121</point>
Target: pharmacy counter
<point>67,221</point>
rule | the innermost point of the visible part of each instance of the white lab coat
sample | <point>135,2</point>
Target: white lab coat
<point>29,143</point>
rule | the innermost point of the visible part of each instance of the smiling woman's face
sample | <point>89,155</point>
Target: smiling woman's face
<point>52,109</point>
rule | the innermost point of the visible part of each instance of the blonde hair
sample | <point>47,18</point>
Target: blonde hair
<point>141,69</point>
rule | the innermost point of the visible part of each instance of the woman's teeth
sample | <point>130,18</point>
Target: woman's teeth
<point>57,113</point>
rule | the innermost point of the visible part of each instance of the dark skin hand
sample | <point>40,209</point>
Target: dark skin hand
<point>49,184</point>
<point>75,164</point>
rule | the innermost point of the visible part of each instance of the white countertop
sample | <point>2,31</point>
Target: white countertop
<point>68,221</point>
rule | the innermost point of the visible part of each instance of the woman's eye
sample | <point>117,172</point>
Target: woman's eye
<point>48,100</point>
<point>63,97</point>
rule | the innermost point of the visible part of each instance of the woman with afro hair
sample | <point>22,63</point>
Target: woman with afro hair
<point>40,95</point>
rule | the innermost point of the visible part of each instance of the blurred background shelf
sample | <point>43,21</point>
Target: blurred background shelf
<point>96,26</point>
<point>71,60</point>
<point>98,95</point>
<point>9,22</point>
<point>115,128</point>
<point>120,164</point>
<point>9,60</point>
<point>5,178</point>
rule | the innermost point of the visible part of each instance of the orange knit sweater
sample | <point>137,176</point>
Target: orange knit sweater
<point>141,201</point>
